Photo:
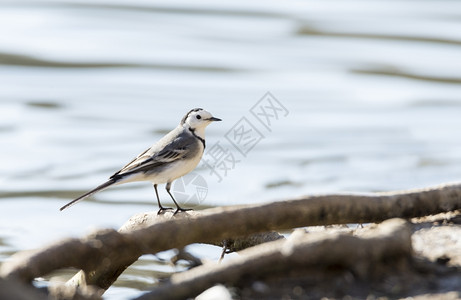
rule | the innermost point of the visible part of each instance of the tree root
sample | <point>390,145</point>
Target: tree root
<point>105,254</point>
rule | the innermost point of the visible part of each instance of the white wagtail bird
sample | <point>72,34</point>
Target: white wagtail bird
<point>173,156</point>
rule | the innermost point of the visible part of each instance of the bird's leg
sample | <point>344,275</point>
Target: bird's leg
<point>178,208</point>
<point>159,204</point>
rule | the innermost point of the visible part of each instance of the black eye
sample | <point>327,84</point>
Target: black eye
<point>199,117</point>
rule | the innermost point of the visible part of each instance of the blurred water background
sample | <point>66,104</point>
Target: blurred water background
<point>372,90</point>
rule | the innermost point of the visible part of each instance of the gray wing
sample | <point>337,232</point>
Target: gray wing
<point>183,146</point>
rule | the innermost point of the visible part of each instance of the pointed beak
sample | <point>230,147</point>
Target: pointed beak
<point>214,119</point>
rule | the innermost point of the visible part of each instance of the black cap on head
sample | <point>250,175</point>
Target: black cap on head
<point>185,117</point>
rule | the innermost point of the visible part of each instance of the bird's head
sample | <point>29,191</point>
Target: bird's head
<point>198,118</point>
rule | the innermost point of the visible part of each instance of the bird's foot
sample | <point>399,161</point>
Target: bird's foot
<point>163,209</point>
<point>179,209</point>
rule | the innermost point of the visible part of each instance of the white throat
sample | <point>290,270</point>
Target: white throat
<point>198,131</point>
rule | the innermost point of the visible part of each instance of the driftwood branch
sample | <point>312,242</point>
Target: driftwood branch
<point>144,220</point>
<point>105,254</point>
<point>391,239</point>
<point>12,289</point>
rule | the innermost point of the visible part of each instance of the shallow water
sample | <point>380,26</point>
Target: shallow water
<point>371,88</point>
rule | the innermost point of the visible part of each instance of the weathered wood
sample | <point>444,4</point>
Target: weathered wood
<point>12,289</point>
<point>391,239</point>
<point>105,254</point>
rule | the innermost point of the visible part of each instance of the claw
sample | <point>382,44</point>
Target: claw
<point>162,209</point>
<point>179,209</point>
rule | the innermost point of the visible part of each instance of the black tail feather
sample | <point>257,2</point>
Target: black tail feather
<point>97,189</point>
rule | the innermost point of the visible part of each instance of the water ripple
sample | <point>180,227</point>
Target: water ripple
<point>396,72</point>
<point>31,61</point>
<point>309,30</point>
